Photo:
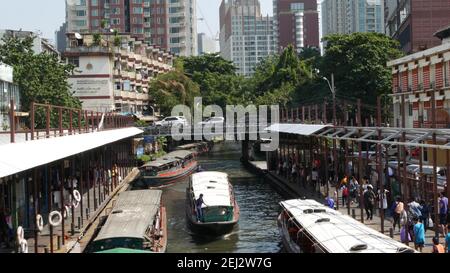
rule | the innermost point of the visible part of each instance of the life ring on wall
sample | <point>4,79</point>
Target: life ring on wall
<point>39,222</point>
<point>50,218</point>
<point>23,246</point>
<point>76,195</point>
<point>20,234</point>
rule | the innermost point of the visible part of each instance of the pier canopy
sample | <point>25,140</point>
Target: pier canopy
<point>296,129</point>
<point>19,157</point>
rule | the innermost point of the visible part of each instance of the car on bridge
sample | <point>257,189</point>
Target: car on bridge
<point>170,121</point>
<point>213,121</point>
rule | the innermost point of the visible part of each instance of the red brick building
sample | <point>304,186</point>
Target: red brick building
<point>414,78</point>
<point>296,22</point>
<point>413,22</point>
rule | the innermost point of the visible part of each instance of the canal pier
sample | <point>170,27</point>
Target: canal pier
<point>54,180</point>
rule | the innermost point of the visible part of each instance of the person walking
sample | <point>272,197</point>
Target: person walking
<point>314,177</point>
<point>405,235</point>
<point>425,211</point>
<point>399,208</point>
<point>443,211</point>
<point>419,234</point>
<point>369,202</point>
<point>345,194</point>
<point>437,247</point>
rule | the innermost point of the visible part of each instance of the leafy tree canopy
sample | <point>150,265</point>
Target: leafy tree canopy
<point>358,62</point>
<point>42,78</point>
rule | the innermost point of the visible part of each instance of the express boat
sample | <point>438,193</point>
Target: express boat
<point>220,209</point>
<point>306,226</point>
<point>167,170</point>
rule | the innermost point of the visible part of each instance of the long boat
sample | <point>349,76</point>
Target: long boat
<point>306,226</point>
<point>220,211</point>
<point>167,170</point>
<point>137,223</point>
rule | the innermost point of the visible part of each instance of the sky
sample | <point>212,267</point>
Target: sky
<point>46,16</point>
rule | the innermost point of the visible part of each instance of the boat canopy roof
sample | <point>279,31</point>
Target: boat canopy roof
<point>214,186</point>
<point>191,146</point>
<point>168,158</point>
<point>132,215</point>
<point>338,233</point>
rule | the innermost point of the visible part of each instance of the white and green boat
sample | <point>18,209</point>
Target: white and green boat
<point>220,209</point>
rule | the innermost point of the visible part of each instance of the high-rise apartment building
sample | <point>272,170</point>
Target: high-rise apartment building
<point>349,16</point>
<point>246,37</point>
<point>296,22</point>
<point>170,24</point>
<point>414,22</point>
<point>206,44</point>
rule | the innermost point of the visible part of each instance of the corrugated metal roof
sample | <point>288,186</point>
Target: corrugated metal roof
<point>341,232</point>
<point>19,157</point>
<point>214,186</point>
<point>132,215</point>
<point>296,129</point>
<point>168,158</point>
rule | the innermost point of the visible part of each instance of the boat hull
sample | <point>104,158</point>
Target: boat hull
<point>162,181</point>
<point>288,244</point>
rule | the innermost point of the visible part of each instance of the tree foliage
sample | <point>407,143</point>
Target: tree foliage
<point>358,62</point>
<point>173,88</point>
<point>42,78</point>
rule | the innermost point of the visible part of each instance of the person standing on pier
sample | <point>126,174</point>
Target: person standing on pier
<point>419,235</point>
<point>437,247</point>
<point>443,211</point>
<point>369,202</point>
<point>399,207</point>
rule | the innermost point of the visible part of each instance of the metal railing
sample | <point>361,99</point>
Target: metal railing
<point>46,121</point>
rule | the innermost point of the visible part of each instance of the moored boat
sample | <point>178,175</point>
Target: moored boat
<point>166,170</point>
<point>307,226</point>
<point>220,211</point>
<point>137,223</point>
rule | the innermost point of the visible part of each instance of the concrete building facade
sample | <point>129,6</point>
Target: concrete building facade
<point>169,24</point>
<point>246,37</point>
<point>206,44</point>
<point>296,22</point>
<point>349,16</point>
<point>115,78</point>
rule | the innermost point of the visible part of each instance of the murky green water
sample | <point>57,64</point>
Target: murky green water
<point>256,231</point>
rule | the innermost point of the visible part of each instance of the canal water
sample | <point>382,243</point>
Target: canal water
<point>256,231</point>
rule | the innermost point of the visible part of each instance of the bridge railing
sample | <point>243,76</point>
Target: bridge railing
<point>45,121</point>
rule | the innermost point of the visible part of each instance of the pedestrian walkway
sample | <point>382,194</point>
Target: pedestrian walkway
<point>295,190</point>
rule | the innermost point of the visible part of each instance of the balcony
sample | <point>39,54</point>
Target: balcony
<point>142,96</point>
<point>89,50</point>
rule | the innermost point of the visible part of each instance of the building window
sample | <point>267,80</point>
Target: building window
<point>81,13</point>
<point>410,80</point>
<point>94,3</point>
<point>137,10</point>
<point>94,12</point>
<point>115,21</point>
<point>75,61</point>
<point>432,75</point>
<point>447,73</point>
<point>410,109</point>
<point>420,78</point>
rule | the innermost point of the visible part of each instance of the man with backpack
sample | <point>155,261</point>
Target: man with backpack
<point>369,201</point>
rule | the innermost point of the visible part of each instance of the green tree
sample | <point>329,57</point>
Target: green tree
<point>42,78</point>
<point>208,63</point>
<point>358,62</point>
<point>172,89</point>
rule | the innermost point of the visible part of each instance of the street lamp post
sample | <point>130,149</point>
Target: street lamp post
<point>333,91</point>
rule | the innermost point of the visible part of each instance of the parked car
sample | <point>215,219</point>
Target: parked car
<point>169,121</point>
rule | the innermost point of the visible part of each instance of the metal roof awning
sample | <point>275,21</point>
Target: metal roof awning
<point>19,157</point>
<point>296,129</point>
